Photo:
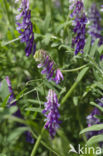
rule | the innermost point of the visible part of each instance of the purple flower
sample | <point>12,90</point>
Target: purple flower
<point>26,28</point>
<point>101,57</point>
<point>77,7</point>
<point>95,27</point>
<point>92,120</point>
<point>29,137</point>
<point>51,113</point>
<point>79,23</point>
<point>17,113</point>
<point>58,76</point>
<point>49,66</point>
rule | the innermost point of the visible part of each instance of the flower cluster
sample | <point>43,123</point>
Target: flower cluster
<point>25,28</point>
<point>17,113</point>
<point>92,120</point>
<point>51,113</point>
<point>95,27</point>
<point>79,23</point>
<point>49,66</point>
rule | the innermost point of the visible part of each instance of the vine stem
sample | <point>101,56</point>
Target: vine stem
<point>75,69</point>
<point>79,78</point>
<point>37,142</point>
<point>44,7</point>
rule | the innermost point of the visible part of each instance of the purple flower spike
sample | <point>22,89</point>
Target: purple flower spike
<point>92,120</point>
<point>26,28</point>
<point>49,66</point>
<point>95,27</point>
<point>51,113</point>
<point>79,23</point>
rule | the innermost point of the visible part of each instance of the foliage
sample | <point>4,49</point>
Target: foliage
<point>82,85</point>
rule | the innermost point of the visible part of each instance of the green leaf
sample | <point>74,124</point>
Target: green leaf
<point>95,140</point>
<point>47,22</point>
<point>63,25</point>
<point>35,101</point>
<point>46,39</point>
<point>96,105</point>
<point>87,45</point>
<point>34,109</point>
<point>96,127</point>
<point>5,113</point>
<point>75,100</point>
<point>16,133</point>
<point>21,93</point>
<point>1,154</point>
<point>4,90</point>
<point>9,42</point>
<point>81,74</point>
<point>100,49</point>
<point>5,101</point>
<point>13,109</point>
<point>94,48</point>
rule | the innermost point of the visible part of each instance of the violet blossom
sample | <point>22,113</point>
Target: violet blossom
<point>79,24</point>
<point>51,113</point>
<point>25,28</point>
<point>95,25</point>
<point>49,67</point>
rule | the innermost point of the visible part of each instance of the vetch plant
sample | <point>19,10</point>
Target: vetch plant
<point>53,85</point>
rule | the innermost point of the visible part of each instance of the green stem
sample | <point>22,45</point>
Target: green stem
<point>37,143</point>
<point>51,9</point>
<point>44,7</point>
<point>80,124</point>
<point>25,94</point>
<point>79,78</point>
<point>96,65</point>
<point>62,6</point>
<point>73,70</point>
<point>69,92</point>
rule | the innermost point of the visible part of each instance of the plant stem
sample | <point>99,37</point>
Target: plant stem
<point>37,143</point>
<point>44,7</point>
<point>79,78</point>
<point>69,93</point>
<point>73,70</point>
<point>62,6</point>
<point>80,124</point>
<point>25,94</point>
